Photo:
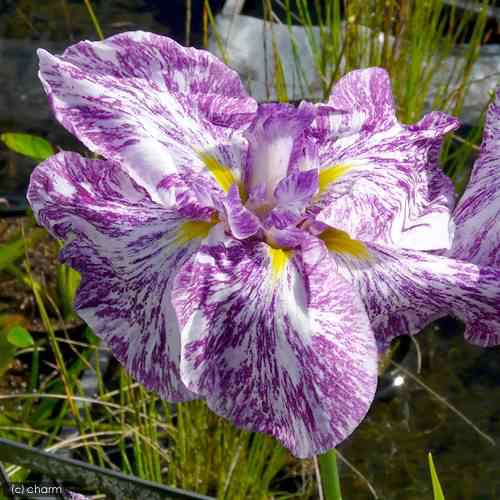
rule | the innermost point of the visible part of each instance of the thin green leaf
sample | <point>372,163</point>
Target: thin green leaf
<point>7,352</point>
<point>95,20</point>
<point>279,76</point>
<point>28,145</point>
<point>20,337</point>
<point>436,486</point>
<point>68,281</point>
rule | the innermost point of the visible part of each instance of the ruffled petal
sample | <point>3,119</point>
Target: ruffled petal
<point>477,216</point>
<point>405,290</point>
<point>128,250</point>
<point>386,187</point>
<point>158,108</point>
<point>360,101</point>
<point>276,341</point>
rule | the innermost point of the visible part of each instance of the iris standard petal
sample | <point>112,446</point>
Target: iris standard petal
<point>127,249</point>
<point>404,290</point>
<point>271,139</point>
<point>386,186</point>
<point>158,108</point>
<point>477,216</point>
<point>304,153</point>
<point>276,341</point>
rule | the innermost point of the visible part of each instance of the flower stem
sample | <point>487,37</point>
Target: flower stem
<point>329,475</point>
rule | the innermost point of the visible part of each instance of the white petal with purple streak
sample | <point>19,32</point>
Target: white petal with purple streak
<point>405,290</point>
<point>477,216</point>
<point>391,190</point>
<point>276,342</point>
<point>360,101</point>
<point>292,195</point>
<point>271,139</point>
<point>127,249</point>
<point>241,222</point>
<point>146,101</point>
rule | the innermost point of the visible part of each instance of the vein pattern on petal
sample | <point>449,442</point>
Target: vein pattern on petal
<point>477,216</point>
<point>404,290</point>
<point>151,104</point>
<point>277,343</point>
<point>127,249</point>
<point>394,193</point>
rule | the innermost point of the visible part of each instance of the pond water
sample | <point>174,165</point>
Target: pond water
<point>390,446</point>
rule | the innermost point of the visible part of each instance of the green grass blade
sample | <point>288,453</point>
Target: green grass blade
<point>7,350</point>
<point>221,46</point>
<point>67,280</point>
<point>436,486</point>
<point>95,21</point>
<point>279,76</point>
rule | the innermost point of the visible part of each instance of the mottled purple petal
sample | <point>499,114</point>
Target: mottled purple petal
<point>291,237</point>
<point>405,290</point>
<point>242,223</point>
<point>149,103</point>
<point>304,153</point>
<point>234,111</point>
<point>360,101</point>
<point>271,139</point>
<point>276,341</point>
<point>477,216</point>
<point>292,194</point>
<point>298,186</point>
<point>128,249</point>
<point>391,190</point>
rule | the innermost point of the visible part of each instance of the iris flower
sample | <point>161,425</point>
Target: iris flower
<point>260,257</point>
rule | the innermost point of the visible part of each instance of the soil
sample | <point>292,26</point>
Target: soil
<point>16,296</point>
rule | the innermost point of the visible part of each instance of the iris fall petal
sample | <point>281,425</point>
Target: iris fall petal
<point>127,250</point>
<point>147,102</point>
<point>477,216</point>
<point>404,290</point>
<point>276,342</point>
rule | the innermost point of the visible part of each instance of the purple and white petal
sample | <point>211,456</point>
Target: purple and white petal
<point>404,290</point>
<point>362,100</point>
<point>271,139</point>
<point>276,342</point>
<point>386,187</point>
<point>151,104</point>
<point>477,216</point>
<point>292,195</point>
<point>304,154</point>
<point>241,222</point>
<point>127,249</point>
<point>290,237</point>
